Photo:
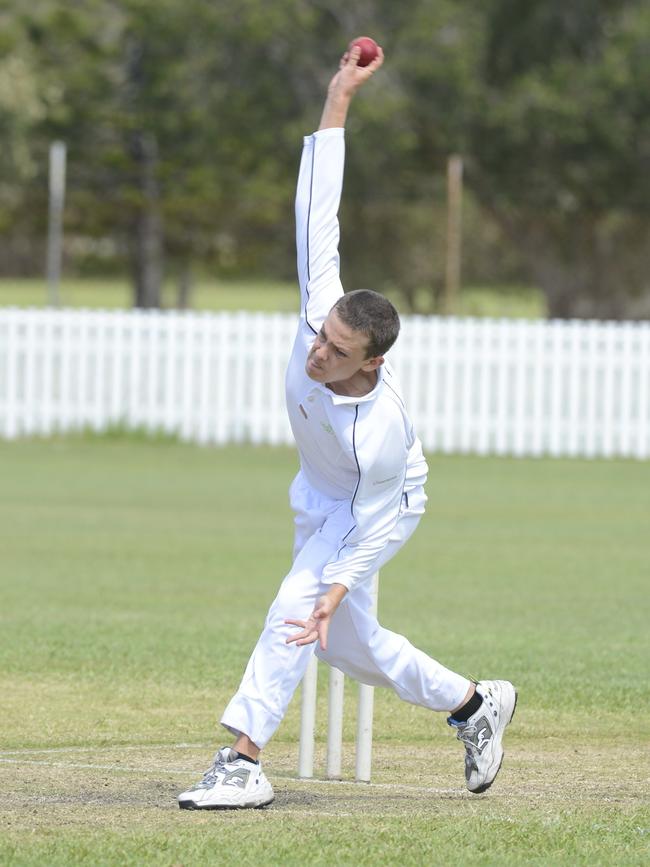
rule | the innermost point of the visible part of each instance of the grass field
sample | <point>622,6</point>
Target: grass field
<point>135,577</point>
<point>265,295</point>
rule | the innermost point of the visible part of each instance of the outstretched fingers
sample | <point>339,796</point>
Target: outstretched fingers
<point>308,634</point>
<point>311,631</point>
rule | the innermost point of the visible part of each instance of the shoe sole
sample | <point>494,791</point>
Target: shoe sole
<point>190,805</point>
<point>486,786</point>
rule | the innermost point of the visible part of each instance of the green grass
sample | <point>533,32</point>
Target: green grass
<point>265,295</point>
<point>135,576</point>
<point>112,294</point>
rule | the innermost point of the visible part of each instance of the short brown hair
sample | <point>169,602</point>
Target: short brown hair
<point>373,315</point>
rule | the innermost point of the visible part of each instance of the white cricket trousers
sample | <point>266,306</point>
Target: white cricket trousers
<point>357,644</point>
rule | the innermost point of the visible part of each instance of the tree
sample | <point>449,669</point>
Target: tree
<point>560,152</point>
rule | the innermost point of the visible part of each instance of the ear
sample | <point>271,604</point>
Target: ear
<point>371,364</point>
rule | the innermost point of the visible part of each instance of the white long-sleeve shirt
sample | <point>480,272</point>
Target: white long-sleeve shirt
<point>362,451</point>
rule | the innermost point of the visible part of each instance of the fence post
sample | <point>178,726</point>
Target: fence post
<point>55,221</point>
<point>454,232</point>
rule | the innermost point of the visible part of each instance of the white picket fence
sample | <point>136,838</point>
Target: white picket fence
<point>506,387</point>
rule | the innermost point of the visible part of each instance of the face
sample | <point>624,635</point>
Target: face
<point>338,352</point>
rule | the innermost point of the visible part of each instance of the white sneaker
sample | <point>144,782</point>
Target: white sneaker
<point>231,783</point>
<point>483,731</point>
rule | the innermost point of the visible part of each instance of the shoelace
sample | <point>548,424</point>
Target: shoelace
<point>464,735</point>
<point>214,772</point>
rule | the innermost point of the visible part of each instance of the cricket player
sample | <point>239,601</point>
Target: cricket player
<point>357,498</point>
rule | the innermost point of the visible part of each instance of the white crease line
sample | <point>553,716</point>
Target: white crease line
<point>88,767</point>
<point>150,770</point>
<point>28,751</point>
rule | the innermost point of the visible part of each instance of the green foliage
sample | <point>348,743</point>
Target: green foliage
<point>183,122</point>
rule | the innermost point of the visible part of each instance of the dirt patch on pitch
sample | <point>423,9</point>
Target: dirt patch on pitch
<point>112,785</point>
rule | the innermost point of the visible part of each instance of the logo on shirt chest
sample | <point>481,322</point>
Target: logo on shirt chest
<point>327,427</point>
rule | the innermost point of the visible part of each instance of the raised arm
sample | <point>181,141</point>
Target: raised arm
<point>318,194</point>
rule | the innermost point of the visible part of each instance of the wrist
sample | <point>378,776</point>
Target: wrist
<point>335,111</point>
<point>340,93</point>
<point>337,592</point>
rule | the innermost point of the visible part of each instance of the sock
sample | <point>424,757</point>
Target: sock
<point>469,708</point>
<point>247,758</point>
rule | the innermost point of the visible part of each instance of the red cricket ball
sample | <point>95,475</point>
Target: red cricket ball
<point>369,49</point>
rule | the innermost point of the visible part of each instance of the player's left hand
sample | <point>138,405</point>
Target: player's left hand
<point>318,624</point>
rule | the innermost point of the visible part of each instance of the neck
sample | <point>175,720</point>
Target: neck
<point>361,383</point>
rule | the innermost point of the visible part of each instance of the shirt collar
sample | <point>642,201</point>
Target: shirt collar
<point>338,399</point>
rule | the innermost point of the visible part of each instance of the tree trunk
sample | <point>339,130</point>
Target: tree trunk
<point>147,239</point>
<point>146,242</point>
<point>185,286</point>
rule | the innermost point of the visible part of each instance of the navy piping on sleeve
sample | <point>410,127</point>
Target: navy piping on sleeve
<point>412,431</point>
<point>311,191</point>
<point>388,385</point>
